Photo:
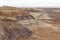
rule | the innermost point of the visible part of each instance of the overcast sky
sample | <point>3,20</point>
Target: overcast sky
<point>31,3</point>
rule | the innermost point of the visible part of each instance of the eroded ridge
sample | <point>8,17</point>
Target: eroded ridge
<point>14,30</point>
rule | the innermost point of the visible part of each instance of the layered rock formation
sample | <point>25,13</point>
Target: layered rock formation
<point>29,23</point>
